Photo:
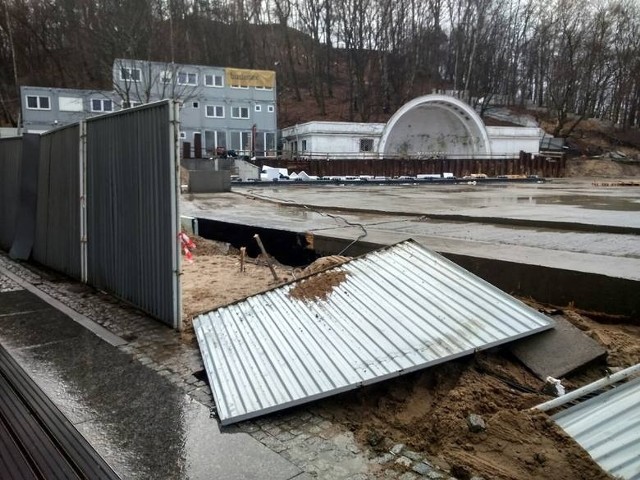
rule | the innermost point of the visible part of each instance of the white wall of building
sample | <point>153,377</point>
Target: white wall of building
<point>510,141</point>
<point>332,139</point>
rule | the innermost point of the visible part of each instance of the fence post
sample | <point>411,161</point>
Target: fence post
<point>82,168</point>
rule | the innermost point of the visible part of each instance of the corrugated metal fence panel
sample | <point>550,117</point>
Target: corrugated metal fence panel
<point>131,208</point>
<point>10,161</point>
<point>608,427</point>
<point>57,241</point>
<point>389,312</point>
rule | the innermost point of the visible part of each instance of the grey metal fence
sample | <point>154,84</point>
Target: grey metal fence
<point>10,161</point>
<point>57,239</point>
<point>132,221</point>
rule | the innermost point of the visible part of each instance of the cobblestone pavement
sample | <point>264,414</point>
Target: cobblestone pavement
<point>8,285</point>
<point>306,436</point>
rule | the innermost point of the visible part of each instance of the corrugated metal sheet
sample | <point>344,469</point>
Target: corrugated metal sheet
<point>608,427</point>
<point>132,213</point>
<point>57,239</point>
<point>10,161</point>
<point>396,310</point>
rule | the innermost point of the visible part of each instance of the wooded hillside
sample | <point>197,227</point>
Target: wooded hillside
<point>349,59</point>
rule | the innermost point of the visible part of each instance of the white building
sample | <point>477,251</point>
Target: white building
<point>509,141</point>
<point>332,139</point>
<point>426,127</point>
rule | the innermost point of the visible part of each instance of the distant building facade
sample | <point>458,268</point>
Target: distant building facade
<point>46,108</point>
<point>227,108</point>
<point>222,108</point>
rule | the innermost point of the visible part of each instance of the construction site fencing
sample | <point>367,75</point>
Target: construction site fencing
<point>57,233</point>
<point>132,208</point>
<point>10,161</point>
<point>106,210</point>
<point>526,164</point>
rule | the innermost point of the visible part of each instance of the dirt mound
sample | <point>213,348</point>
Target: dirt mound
<point>323,263</point>
<point>600,167</point>
<point>427,411</point>
<point>205,248</point>
<point>317,287</point>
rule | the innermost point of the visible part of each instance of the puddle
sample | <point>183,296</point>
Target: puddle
<point>591,202</point>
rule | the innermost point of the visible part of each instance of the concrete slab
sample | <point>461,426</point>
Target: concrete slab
<point>557,352</point>
<point>20,301</point>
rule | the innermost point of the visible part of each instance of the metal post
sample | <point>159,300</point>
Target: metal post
<point>268,258</point>
<point>580,392</point>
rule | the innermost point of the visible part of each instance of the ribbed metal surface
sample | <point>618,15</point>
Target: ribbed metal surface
<point>397,310</point>
<point>608,427</point>
<point>36,439</point>
<point>57,239</point>
<point>10,157</point>
<point>132,221</point>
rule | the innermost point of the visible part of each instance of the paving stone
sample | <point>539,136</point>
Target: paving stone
<point>403,461</point>
<point>273,430</point>
<point>397,448</point>
<point>384,458</point>
<point>422,468</point>
<point>285,436</point>
<point>408,476</point>
<point>415,456</point>
<point>434,475</point>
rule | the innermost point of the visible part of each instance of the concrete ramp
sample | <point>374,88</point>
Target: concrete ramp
<point>387,313</point>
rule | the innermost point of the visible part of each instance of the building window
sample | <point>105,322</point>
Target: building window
<point>239,112</point>
<point>304,145</point>
<point>270,108</point>
<point>183,135</point>
<point>264,88</point>
<point>214,111</point>
<point>36,102</point>
<point>131,74</point>
<point>245,87</point>
<point>366,144</point>
<point>101,105</point>
<point>270,143</point>
<point>196,105</point>
<point>186,78</point>
<point>240,141</point>
<point>70,104</point>
<point>258,108</point>
<point>213,81</point>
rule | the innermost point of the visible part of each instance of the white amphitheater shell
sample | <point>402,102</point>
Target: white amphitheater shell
<point>435,125</point>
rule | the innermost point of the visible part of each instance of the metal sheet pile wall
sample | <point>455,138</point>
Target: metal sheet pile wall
<point>132,222</point>
<point>10,161</point>
<point>57,240</point>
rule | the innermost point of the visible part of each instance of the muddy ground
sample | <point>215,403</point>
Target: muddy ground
<point>427,410</point>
